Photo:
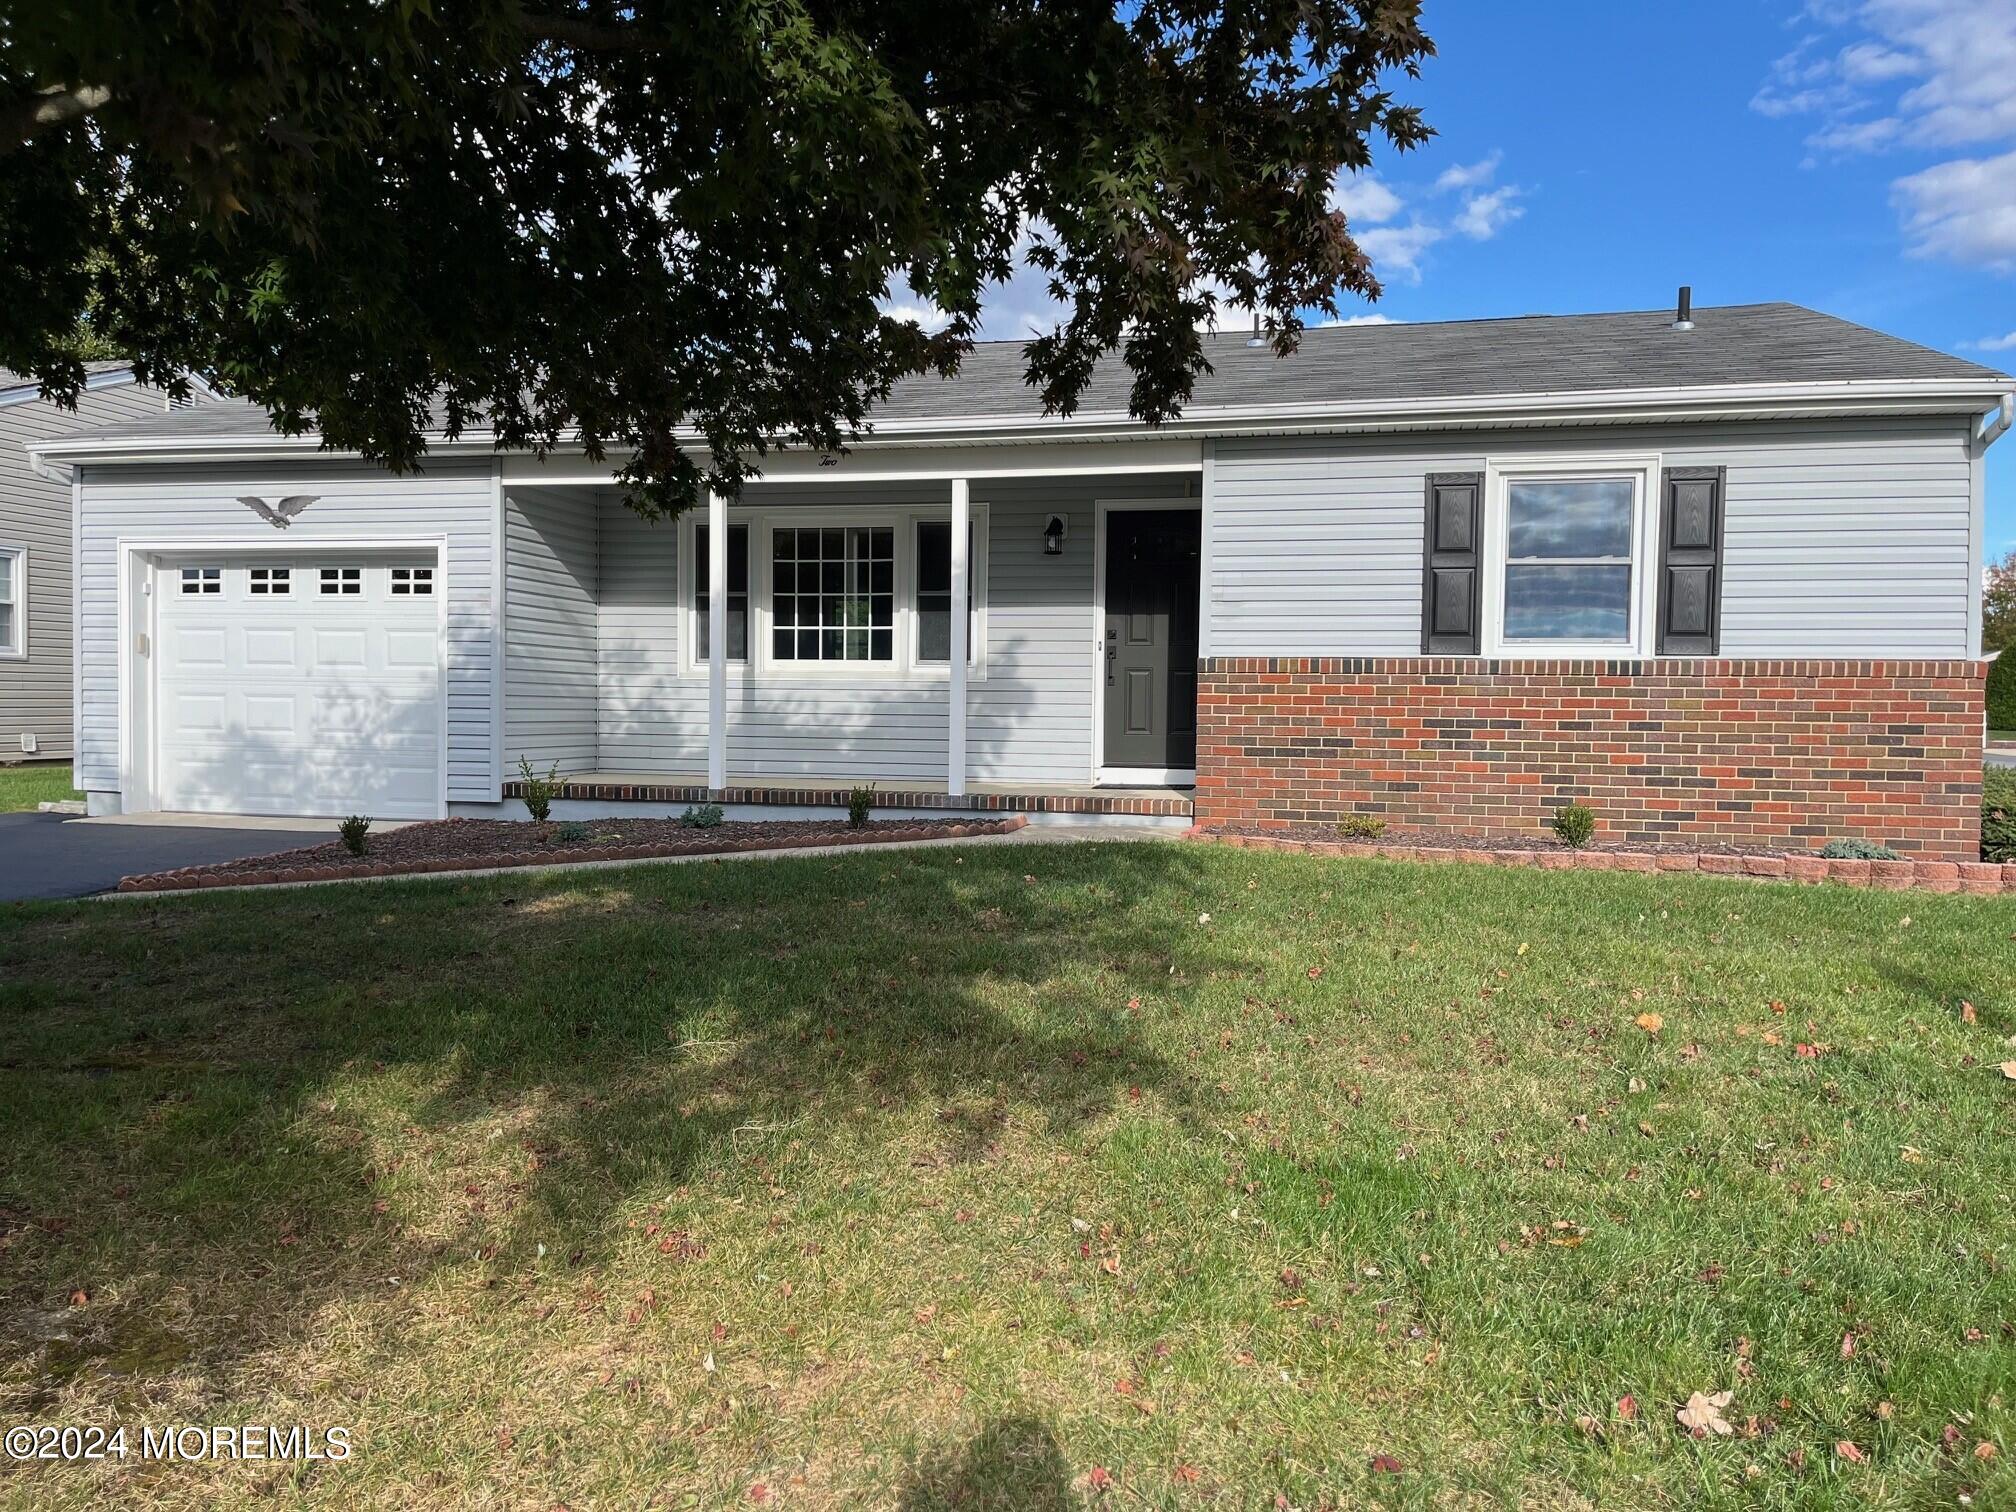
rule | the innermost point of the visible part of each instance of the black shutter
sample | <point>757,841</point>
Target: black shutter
<point>1449,564</point>
<point>1690,562</point>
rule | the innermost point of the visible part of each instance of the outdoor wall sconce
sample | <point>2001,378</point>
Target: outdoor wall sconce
<point>1053,536</point>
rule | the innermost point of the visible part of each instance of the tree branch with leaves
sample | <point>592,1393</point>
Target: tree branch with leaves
<point>670,232</point>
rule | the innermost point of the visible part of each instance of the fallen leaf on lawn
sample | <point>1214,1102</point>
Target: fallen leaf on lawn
<point>1651,1023</point>
<point>79,1297</point>
<point>1635,1085</point>
<point>1185,1475</point>
<point>1566,1241</point>
<point>1806,1052</point>
<point>759,1492</point>
<point>1911,1155</point>
<point>1587,1424</point>
<point>1848,1346</point>
<point>1385,1464</point>
<point>1645,1128</point>
<point>1777,1007</point>
<point>1848,1450</point>
<point>1627,1407</point>
<point>2009,1069</point>
<point>1110,1265</point>
<point>1984,1450</point>
<point>1204,918</point>
<point>1703,1414</point>
<point>1099,1478</point>
<point>1967,1015</point>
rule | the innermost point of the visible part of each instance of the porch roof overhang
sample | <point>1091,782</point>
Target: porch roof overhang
<point>1107,441</point>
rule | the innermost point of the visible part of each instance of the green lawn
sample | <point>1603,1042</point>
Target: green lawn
<point>22,787</point>
<point>976,1177</point>
<point>2002,737</point>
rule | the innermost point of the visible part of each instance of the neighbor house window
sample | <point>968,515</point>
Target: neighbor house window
<point>833,594</point>
<point>1570,577</point>
<point>934,592</point>
<point>738,595</point>
<point>205,580</point>
<point>13,601</point>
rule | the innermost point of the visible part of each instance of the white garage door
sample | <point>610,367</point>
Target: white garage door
<point>303,684</point>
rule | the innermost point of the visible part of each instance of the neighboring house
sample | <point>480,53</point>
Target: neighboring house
<point>1714,580</point>
<point>35,544</point>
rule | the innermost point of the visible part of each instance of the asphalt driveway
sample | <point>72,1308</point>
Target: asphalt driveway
<point>51,856</point>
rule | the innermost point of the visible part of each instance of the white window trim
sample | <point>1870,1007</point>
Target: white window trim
<point>19,607</point>
<point>1643,470</point>
<point>762,521</point>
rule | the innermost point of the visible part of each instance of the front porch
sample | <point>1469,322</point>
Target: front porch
<point>775,653</point>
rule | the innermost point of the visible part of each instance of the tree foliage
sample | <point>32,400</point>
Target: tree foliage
<point>667,228</point>
<point>1998,605</point>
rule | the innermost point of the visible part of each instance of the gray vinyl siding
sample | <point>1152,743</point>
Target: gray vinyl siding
<point>552,551</point>
<point>1843,538</point>
<point>199,503</point>
<point>35,692</point>
<point>1029,714</point>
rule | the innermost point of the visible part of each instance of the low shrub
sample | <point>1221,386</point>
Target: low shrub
<point>1998,812</point>
<point>1361,826</point>
<point>2002,691</point>
<point>706,816</point>
<point>352,832</point>
<point>1574,824</point>
<point>859,801</point>
<point>1858,849</point>
<point>538,791</point>
<point>570,833</point>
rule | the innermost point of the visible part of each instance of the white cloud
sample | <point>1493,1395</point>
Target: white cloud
<point>1364,197</point>
<point>1362,320</point>
<point>1484,215</point>
<point>1994,343</point>
<point>1964,210</point>
<point>1917,76</point>
<point>1471,175</point>
<point>1397,250</point>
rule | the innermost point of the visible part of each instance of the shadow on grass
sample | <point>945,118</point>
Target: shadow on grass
<point>1013,1464</point>
<point>187,1142</point>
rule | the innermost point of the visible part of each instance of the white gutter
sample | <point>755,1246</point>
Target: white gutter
<point>1725,401</point>
<point>1997,421</point>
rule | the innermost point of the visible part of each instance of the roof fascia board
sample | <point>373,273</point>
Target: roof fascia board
<point>1733,401</point>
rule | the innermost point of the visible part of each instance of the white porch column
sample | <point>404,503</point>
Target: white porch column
<point>717,641</point>
<point>955,735</point>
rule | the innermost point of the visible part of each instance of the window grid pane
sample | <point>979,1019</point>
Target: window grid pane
<point>343,580</point>
<point>272,581</point>
<point>1568,562</point>
<point>934,592</point>
<point>834,593</point>
<point>412,581</point>
<point>209,580</point>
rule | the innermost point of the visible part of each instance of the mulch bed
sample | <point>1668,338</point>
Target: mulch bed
<point>1981,877</point>
<point>1443,839</point>
<point>472,844</point>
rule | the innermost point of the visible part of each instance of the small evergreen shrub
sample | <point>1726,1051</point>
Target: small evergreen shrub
<point>706,816</point>
<point>1574,824</point>
<point>1361,826</point>
<point>538,791</point>
<point>570,833</point>
<point>859,801</point>
<point>1857,849</point>
<point>352,832</point>
<point>2002,691</point>
<point>1998,811</point>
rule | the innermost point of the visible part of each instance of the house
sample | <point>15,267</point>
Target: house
<point>1713,577</point>
<point>36,636</point>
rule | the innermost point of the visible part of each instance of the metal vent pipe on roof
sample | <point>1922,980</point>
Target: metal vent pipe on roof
<point>1683,315</point>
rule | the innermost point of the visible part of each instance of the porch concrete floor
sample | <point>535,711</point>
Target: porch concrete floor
<point>841,784</point>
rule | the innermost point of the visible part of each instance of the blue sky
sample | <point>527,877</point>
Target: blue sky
<point>1857,156</point>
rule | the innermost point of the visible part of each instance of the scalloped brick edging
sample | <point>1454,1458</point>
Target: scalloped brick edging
<point>191,878</point>
<point>1983,878</point>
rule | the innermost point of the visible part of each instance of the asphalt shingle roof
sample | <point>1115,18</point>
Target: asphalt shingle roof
<point>1365,364</point>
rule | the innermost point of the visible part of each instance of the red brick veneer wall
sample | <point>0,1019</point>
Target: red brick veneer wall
<point>1755,753</point>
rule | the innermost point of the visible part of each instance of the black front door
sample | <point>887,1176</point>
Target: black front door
<point>1151,638</point>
